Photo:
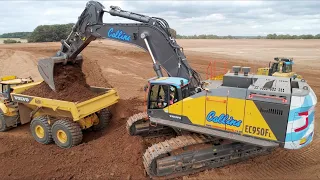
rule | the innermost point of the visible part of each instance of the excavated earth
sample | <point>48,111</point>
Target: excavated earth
<point>112,153</point>
<point>70,84</point>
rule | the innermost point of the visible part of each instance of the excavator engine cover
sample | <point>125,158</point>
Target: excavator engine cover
<point>46,67</point>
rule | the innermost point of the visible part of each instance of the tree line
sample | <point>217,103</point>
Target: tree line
<point>288,36</point>
<point>42,33</point>
<point>22,35</point>
<point>269,36</point>
<point>57,32</point>
<point>204,36</point>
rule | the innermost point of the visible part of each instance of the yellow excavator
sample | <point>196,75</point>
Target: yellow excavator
<point>217,122</point>
<point>282,67</point>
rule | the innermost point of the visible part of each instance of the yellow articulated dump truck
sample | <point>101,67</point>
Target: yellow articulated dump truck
<point>53,120</point>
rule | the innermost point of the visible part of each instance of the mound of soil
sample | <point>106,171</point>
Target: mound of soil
<point>70,85</point>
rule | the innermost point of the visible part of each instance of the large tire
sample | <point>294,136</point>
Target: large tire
<point>66,133</point>
<point>41,130</point>
<point>3,125</point>
<point>104,118</point>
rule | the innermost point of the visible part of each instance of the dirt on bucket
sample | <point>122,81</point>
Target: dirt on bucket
<point>70,85</point>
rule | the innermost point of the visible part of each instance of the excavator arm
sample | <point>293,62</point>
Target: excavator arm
<point>149,33</point>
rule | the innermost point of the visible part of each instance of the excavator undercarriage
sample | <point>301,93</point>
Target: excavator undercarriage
<point>219,126</point>
<point>188,152</point>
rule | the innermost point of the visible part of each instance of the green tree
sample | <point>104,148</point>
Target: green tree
<point>50,33</point>
<point>10,41</point>
<point>272,36</point>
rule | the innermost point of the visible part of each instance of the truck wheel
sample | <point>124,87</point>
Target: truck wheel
<point>104,118</point>
<point>66,133</point>
<point>41,130</point>
<point>3,125</point>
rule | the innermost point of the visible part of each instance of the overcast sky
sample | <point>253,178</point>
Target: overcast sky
<point>187,17</point>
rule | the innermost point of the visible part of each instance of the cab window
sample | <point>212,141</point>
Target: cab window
<point>173,95</point>
<point>5,91</point>
<point>158,96</point>
<point>5,88</point>
<point>287,68</point>
<point>274,68</point>
<point>185,92</point>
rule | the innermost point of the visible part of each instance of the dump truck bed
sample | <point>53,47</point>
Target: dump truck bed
<point>74,110</point>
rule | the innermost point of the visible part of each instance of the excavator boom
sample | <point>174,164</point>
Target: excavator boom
<point>150,33</point>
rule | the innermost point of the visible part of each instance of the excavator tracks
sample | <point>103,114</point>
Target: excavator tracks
<point>188,154</point>
<point>138,124</point>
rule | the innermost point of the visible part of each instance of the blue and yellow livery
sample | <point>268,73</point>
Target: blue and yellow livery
<point>255,109</point>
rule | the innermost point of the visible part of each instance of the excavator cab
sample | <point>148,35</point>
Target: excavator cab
<point>164,95</point>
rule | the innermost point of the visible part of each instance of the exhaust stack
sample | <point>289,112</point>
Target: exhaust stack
<point>246,70</point>
<point>236,69</point>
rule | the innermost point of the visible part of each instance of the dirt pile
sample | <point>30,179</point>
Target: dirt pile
<point>70,83</point>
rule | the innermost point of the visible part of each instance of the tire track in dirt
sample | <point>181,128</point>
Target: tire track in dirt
<point>6,53</point>
<point>116,67</point>
<point>18,62</point>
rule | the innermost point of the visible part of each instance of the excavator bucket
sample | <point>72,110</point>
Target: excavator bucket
<point>46,67</point>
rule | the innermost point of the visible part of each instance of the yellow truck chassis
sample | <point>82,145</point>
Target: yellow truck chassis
<point>62,121</point>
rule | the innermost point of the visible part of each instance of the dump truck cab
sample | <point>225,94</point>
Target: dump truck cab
<point>9,116</point>
<point>7,82</point>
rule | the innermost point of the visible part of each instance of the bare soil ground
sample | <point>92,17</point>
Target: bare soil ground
<point>113,154</point>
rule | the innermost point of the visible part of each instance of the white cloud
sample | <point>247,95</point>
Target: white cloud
<point>256,26</point>
<point>187,17</point>
<point>210,17</point>
<point>296,28</point>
